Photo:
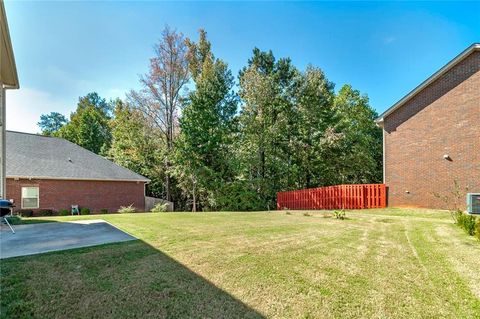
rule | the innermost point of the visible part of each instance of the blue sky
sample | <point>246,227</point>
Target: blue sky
<point>66,49</point>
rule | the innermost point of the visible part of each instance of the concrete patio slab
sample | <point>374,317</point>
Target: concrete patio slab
<point>40,238</point>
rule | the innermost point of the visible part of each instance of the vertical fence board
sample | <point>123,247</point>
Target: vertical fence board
<point>356,196</point>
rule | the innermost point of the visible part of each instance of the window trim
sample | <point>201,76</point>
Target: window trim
<point>38,197</point>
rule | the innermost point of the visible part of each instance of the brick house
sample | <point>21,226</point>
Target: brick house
<point>53,173</point>
<point>432,136</point>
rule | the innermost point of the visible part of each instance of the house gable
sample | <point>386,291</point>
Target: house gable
<point>445,79</point>
<point>432,140</point>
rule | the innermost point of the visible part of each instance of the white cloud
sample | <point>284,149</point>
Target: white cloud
<point>24,107</point>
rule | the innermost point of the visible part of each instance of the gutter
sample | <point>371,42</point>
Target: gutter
<point>77,179</point>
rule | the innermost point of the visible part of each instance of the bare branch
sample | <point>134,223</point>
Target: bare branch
<point>160,97</point>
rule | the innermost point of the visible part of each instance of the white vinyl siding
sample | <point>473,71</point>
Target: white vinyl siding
<point>30,197</point>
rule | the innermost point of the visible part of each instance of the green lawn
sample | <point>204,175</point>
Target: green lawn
<point>391,263</point>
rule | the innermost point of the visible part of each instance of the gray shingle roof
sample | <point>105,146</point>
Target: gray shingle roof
<point>36,156</point>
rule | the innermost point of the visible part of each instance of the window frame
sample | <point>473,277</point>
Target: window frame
<point>37,198</point>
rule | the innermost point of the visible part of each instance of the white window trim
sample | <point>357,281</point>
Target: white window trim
<point>38,198</point>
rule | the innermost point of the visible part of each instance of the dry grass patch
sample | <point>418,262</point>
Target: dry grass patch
<point>375,264</point>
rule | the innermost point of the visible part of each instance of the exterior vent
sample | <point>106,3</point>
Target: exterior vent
<point>473,203</point>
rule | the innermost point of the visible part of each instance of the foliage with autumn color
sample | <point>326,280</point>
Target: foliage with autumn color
<point>209,141</point>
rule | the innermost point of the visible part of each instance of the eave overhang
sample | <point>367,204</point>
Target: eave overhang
<point>8,69</point>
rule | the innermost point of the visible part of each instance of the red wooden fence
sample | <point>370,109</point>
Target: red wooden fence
<point>335,197</point>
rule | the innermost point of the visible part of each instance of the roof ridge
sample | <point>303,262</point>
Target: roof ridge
<point>27,133</point>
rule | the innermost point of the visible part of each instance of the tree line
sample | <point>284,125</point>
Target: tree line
<point>211,141</point>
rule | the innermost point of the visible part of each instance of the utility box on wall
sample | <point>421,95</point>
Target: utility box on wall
<point>473,203</point>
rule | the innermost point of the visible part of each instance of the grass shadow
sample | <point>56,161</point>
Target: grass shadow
<point>122,280</point>
<point>16,220</point>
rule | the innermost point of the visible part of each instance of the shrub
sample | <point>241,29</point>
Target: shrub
<point>454,196</point>
<point>477,229</point>
<point>159,208</point>
<point>239,196</point>
<point>85,211</point>
<point>104,211</point>
<point>26,213</point>
<point>465,221</point>
<point>469,224</point>
<point>127,209</point>
<point>339,214</point>
<point>63,212</point>
<point>45,212</point>
<point>457,216</point>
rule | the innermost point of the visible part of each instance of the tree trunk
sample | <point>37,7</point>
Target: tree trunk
<point>167,187</point>
<point>167,162</point>
<point>194,207</point>
<point>167,179</point>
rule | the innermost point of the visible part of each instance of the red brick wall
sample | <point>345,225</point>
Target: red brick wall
<point>96,195</point>
<point>442,119</point>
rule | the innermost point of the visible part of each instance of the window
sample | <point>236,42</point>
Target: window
<point>30,197</point>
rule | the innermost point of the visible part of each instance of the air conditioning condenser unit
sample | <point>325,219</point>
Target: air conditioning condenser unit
<point>473,203</point>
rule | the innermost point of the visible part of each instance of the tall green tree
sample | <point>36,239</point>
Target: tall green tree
<point>100,104</point>
<point>51,123</point>
<point>135,145</point>
<point>315,119</point>
<point>203,151</point>
<point>89,125</point>
<point>357,155</point>
<point>267,124</point>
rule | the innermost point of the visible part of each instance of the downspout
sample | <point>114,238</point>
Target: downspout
<point>383,155</point>
<point>380,123</point>
<point>145,194</point>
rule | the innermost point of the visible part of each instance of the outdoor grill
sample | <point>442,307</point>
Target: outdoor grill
<point>6,207</point>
